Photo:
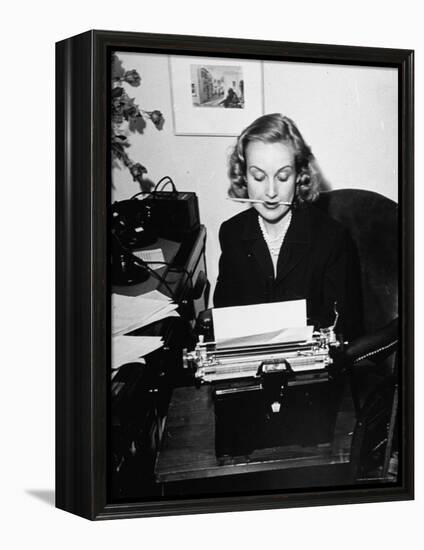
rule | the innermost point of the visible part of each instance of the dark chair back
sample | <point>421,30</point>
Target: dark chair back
<point>372,221</point>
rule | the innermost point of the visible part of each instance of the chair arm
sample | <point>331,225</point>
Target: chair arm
<point>374,347</point>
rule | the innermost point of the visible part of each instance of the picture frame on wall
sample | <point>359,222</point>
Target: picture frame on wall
<point>198,369</point>
<point>213,97</point>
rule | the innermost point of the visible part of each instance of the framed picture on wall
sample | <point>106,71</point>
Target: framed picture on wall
<point>215,97</point>
<point>234,274</point>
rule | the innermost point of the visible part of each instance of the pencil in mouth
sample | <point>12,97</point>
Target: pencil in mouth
<point>259,201</point>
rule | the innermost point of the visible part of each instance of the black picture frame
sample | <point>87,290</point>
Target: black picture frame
<point>82,335</point>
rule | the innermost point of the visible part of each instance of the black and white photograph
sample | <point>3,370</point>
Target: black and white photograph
<point>213,96</point>
<point>211,237</point>
<point>217,86</point>
<point>254,279</point>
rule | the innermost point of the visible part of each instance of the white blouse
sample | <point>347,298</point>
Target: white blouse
<point>275,243</point>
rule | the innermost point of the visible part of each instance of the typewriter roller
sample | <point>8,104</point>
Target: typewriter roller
<point>211,363</point>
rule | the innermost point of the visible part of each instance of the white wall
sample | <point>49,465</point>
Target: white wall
<point>348,115</point>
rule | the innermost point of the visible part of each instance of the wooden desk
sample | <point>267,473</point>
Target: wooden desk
<point>188,446</point>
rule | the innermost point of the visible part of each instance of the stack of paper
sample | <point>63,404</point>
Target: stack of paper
<point>151,255</point>
<point>278,322</point>
<point>132,312</point>
<point>129,349</point>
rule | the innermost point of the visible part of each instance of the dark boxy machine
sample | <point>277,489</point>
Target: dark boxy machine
<point>272,395</point>
<point>137,223</point>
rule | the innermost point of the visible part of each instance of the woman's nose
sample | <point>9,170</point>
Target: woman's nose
<point>271,190</point>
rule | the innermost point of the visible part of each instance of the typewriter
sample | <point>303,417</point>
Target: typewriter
<point>269,395</point>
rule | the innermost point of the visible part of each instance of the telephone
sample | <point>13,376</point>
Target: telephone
<point>132,227</point>
<point>136,223</point>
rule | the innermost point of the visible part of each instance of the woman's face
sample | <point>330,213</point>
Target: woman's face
<point>271,178</point>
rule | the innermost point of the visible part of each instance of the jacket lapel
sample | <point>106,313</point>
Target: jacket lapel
<point>296,243</point>
<point>255,245</point>
<point>295,246</point>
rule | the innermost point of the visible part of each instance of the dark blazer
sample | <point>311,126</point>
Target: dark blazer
<point>316,262</point>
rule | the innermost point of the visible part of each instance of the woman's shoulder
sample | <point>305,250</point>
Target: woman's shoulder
<point>236,224</point>
<point>321,220</point>
<point>326,231</point>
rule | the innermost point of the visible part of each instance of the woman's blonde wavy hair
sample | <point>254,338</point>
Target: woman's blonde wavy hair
<point>275,128</point>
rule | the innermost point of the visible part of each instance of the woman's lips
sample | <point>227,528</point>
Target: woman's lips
<point>271,205</point>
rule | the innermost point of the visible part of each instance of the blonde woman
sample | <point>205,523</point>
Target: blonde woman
<point>283,247</point>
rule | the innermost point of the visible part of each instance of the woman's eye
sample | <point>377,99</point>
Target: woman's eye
<point>258,178</point>
<point>283,177</point>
